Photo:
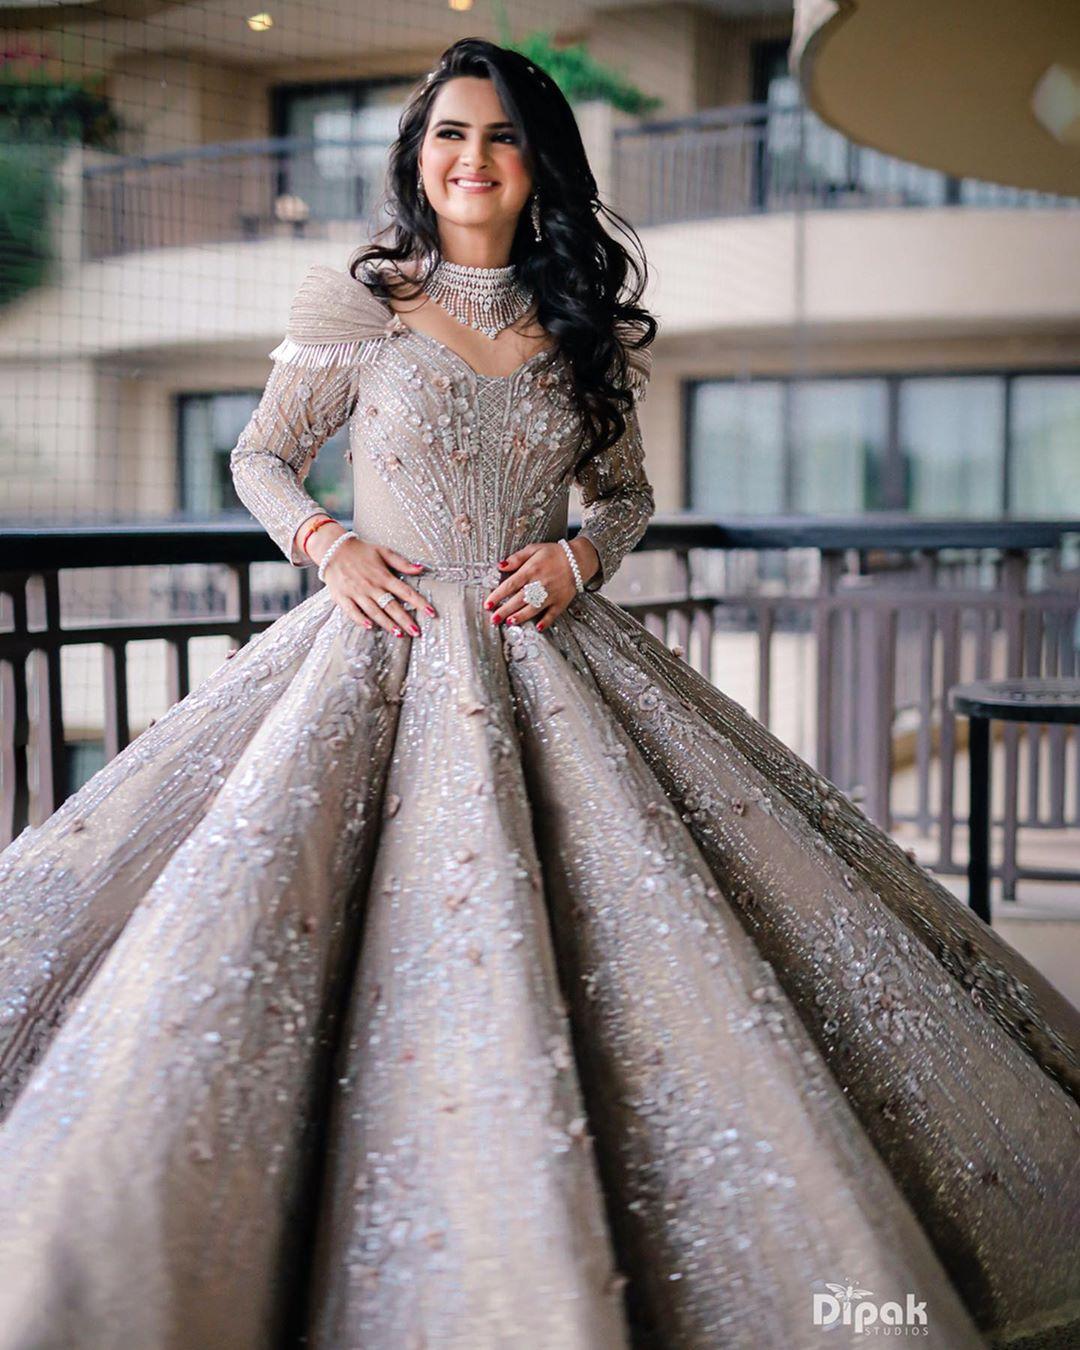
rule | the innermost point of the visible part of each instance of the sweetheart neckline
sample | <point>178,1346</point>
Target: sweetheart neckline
<point>478,374</point>
<point>395,320</point>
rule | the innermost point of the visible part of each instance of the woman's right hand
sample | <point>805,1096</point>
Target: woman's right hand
<point>359,571</point>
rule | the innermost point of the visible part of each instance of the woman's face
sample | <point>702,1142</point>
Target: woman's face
<point>472,160</point>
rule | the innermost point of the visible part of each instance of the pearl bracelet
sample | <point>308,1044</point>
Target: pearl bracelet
<point>565,544</point>
<point>349,534</point>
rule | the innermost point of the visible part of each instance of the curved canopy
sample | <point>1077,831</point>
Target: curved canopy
<point>986,89</point>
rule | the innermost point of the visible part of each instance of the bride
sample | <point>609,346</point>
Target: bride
<point>455,966</point>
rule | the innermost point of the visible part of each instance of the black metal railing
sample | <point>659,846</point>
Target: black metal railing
<point>867,623</point>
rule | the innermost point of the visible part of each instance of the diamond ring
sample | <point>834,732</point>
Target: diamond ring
<point>535,593</point>
<point>384,599</point>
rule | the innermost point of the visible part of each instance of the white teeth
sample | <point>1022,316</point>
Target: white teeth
<point>475,182</point>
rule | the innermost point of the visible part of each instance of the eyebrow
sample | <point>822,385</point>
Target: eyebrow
<point>451,122</point>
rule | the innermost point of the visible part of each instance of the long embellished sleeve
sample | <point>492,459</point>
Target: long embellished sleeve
<point>300,409</point>
<point>335,325</point>
<point>616,496</point>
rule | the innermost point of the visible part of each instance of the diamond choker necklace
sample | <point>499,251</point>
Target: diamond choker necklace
<point>488,299</point>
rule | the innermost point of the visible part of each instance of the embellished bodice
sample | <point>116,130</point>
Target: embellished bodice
<point>449,466</point>
<point>453,466</point>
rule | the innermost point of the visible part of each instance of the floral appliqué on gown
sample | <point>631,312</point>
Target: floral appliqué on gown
<point>497,988</point>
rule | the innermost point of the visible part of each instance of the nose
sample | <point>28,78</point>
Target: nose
<point>472,156</point>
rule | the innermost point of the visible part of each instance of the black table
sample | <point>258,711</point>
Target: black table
<point>1021,700</point>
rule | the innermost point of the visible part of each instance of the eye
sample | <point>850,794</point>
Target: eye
<point>500,135</point>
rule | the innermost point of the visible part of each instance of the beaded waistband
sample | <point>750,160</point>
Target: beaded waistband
<point>471,572</point>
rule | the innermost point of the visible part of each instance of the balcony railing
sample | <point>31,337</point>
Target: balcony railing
<point>758,158</point>
<point>866,623</point>
<point>227,193</point>
<point>725,161</point>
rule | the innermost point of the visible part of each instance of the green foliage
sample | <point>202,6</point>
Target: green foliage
<point>39,118</point>
<point>28,194</point>
<point>578,74</point>
<point>54,112</point>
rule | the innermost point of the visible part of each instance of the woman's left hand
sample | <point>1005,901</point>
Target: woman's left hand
<point>544,562</point>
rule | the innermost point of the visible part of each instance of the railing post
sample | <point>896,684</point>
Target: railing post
<point>927,571</point>
<point>1013,573</point>
<point>948,626</point>
<point>766,627</point>
<point>877,692</point>
<point>240,582</point>
<point>178,670</point>
<point>703,626</point>
<point>15,713</point>
<point>46,732</point>
<point>117,726</point>
<point>824,614</point>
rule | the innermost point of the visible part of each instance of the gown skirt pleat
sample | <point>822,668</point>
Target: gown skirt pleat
<point>957,1057</point>
<point>70,885</point>
<point>458,1195</point>
<point>170,1116</point>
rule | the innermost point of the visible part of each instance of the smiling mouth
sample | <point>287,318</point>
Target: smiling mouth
<point>475,184</point>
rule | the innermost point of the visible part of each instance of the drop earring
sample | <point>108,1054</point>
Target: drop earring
<point>421,195</point>
<point>535,214</point>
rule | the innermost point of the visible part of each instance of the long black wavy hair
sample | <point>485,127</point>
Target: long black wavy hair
<point>586,283</point>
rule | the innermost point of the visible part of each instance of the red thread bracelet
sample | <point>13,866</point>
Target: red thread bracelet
<point>319,522</point>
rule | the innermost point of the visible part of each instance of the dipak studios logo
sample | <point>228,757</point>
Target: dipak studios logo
<point>849,1306</point>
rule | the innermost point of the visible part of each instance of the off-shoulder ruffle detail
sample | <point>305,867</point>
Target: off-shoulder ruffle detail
<point>331,317</point>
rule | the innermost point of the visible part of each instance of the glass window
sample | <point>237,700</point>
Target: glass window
<point>344,177</point>
<point>329,480</point>
<point>777,160</point>
<point>1044,477</point>
<point>839,433</point>
<point>947,457</point>
<point>210,425</point>
<point>952,434</point>
<point>737,448</point>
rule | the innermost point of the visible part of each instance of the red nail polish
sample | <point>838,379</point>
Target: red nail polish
<point>512,619</point>
<point>496,618</point>
<point>430,610</point>
<point>539,627</point>
<point>502,562</point>
<point>487,604</point>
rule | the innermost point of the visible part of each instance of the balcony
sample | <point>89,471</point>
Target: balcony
<point>733,161</point>
<point>761,159</point>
